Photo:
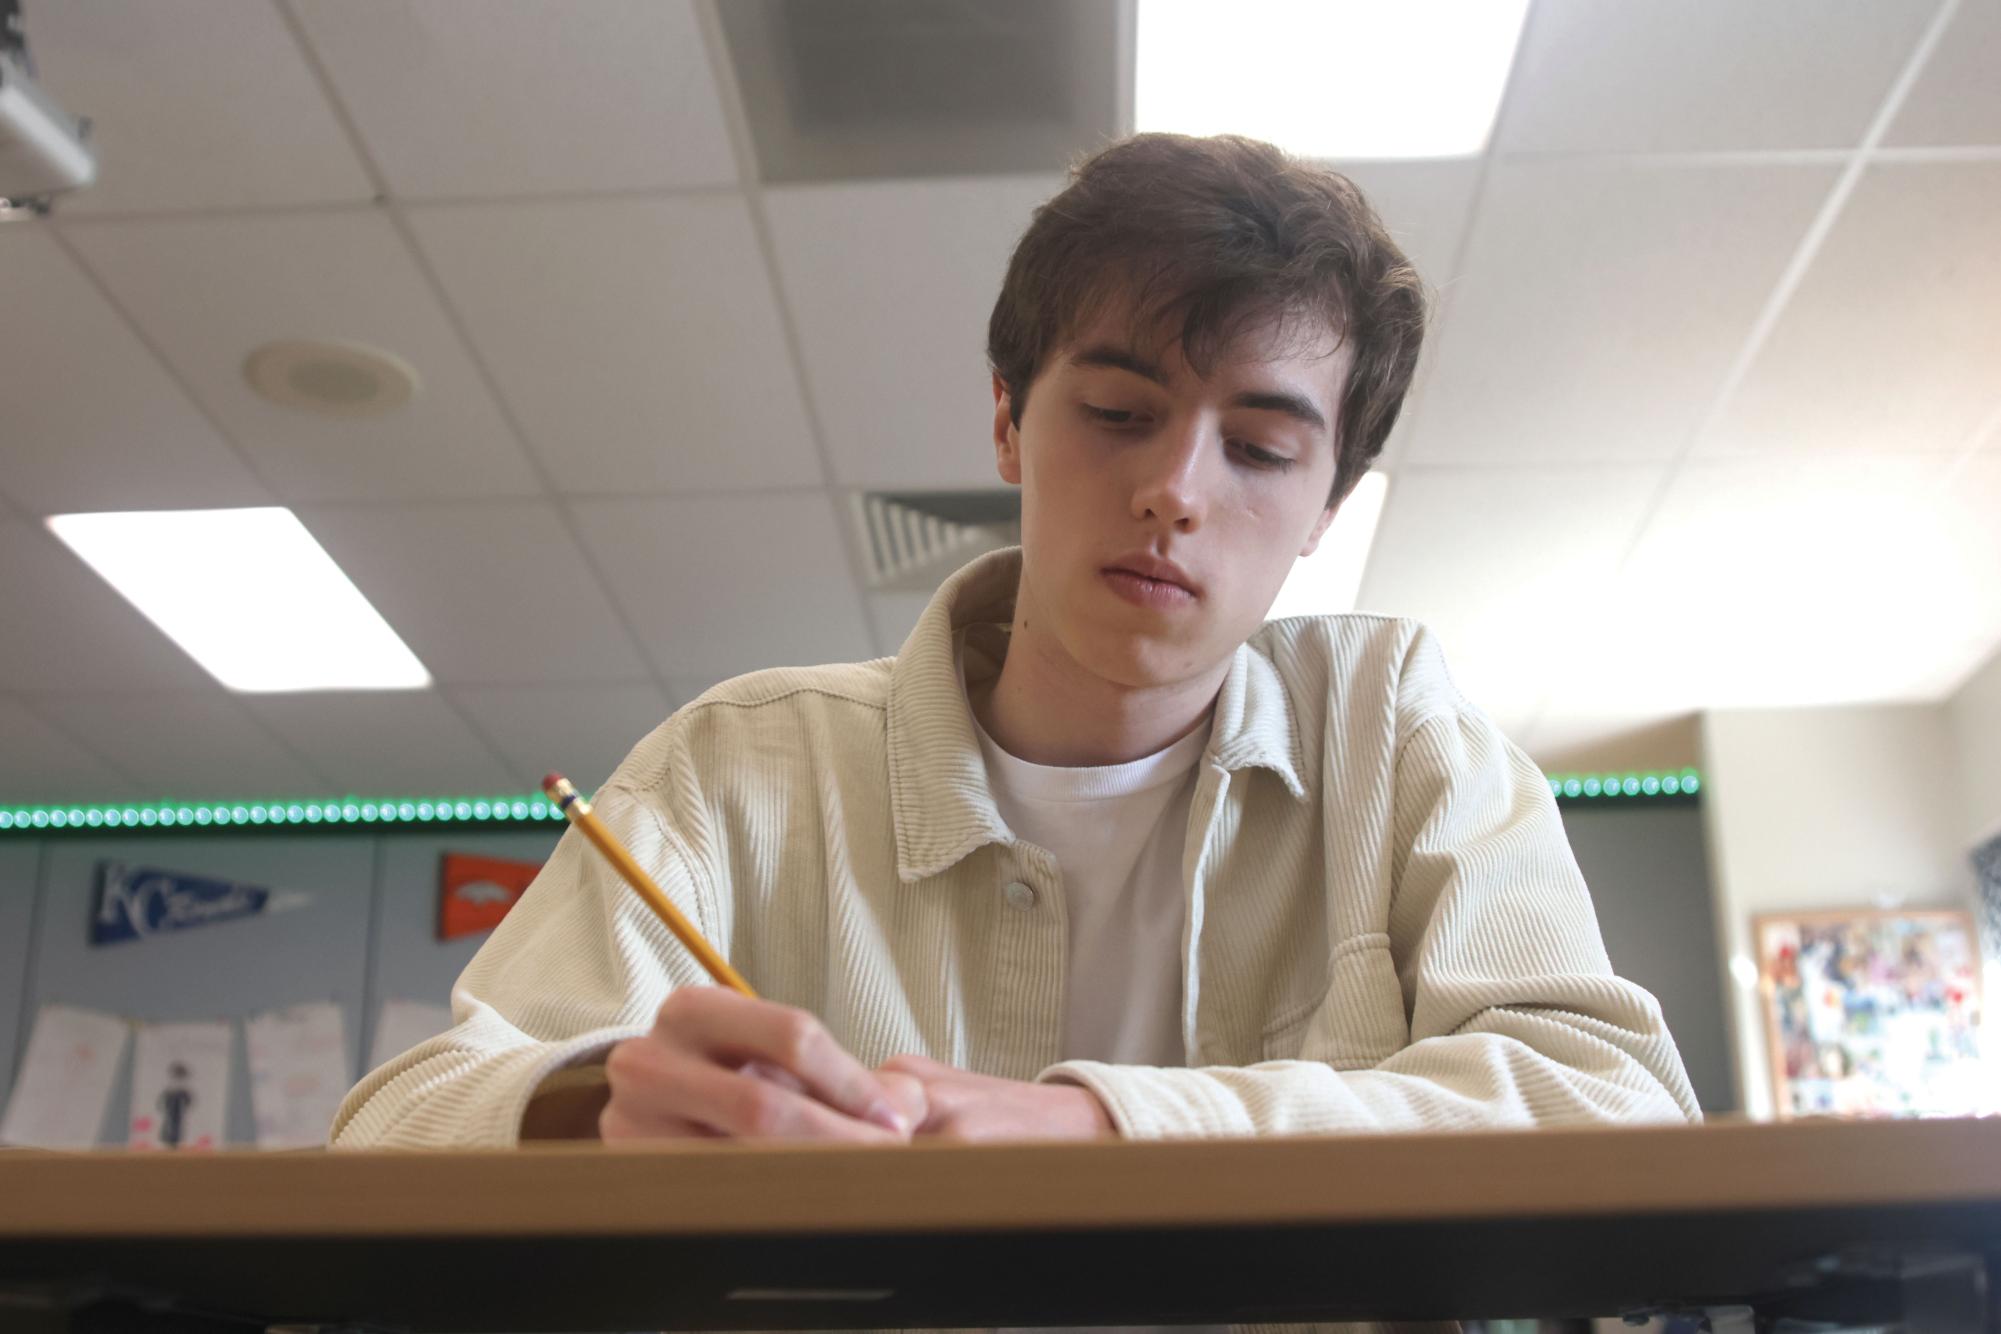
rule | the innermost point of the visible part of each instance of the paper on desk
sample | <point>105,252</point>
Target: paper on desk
<point>402,1024</point>
<point>65,1081</point>
<point>180,1086</point>
<point>298,1073</point>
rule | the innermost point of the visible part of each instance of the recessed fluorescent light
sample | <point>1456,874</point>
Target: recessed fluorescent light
<point>1328,580</point>
<point>249,595</point>
<point>1328,78</point>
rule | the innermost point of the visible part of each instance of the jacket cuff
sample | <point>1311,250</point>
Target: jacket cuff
<point>1156,1102</point>
<point>453,1098</point>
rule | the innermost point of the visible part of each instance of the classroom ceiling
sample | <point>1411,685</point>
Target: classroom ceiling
<point>1711,417</point>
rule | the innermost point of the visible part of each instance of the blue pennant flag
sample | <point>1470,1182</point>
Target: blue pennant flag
<point>134,902</point>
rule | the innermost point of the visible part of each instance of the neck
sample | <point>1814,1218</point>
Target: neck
<point>1045,708</point>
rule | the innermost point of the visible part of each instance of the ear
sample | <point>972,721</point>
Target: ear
<point>1007,436</point>
<point>1319,530</point>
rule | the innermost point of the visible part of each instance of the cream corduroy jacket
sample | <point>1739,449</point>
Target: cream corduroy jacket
<point>1385,927</point>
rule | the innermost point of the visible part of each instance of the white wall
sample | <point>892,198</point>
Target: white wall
<point>1974,717</point>
<point>1830,808</point>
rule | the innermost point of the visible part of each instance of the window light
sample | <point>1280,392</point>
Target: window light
<point>249,595</point>
<point>1328,78</point>
<point>1329,579</point>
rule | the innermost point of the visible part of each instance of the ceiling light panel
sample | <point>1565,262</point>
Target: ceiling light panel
<point>1329,78</point>
<point>248,594</point>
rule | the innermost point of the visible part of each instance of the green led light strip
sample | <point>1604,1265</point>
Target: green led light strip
<point>1566,787</point>
<point>345,812</point>
<point>535,809</point>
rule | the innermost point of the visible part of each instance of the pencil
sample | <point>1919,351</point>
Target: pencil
<point>579,812</point>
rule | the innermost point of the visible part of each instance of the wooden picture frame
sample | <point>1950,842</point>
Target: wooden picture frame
<point>1871,1012</point>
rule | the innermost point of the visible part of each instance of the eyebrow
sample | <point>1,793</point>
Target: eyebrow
<point>1297,406</point>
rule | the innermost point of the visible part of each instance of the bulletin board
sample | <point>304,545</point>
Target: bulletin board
<point>1873,1013</point>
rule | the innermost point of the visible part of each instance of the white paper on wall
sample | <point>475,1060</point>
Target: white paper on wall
<point>180,1086</point>
<point>66,1077</point>
<point>298,1073</point>
<point>402,1024</point>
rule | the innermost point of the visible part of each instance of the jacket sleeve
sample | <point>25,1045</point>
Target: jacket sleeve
<point>1515,1016</point>
<point>579,964</point>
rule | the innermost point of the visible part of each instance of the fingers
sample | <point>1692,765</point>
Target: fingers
<point>724,1026</point>
<point>938,1084</point>
<point>907,1095</point>
<point>747,1107</point>
<point>766,1070</point>
<point>642,1104</point>
<point>916,1067</point>
<point>662,1091</point>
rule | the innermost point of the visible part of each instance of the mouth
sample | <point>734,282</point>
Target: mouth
<point>1151,582</point>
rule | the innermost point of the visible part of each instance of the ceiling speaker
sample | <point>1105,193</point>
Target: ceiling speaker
<point>332,379</point>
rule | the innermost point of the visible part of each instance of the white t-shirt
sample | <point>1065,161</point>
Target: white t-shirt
<point>1117,832</point>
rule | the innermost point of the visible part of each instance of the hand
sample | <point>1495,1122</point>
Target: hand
<point>719,1064</point>
<point>964,1106</point>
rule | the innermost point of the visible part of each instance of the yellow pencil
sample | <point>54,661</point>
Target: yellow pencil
<point>572,805</point>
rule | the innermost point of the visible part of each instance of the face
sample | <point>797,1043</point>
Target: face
<point>1162,510</point>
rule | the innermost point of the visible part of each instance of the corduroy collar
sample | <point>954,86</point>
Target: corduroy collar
<point>939,798</point>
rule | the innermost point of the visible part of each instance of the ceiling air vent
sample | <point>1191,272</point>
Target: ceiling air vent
<point>915,538</point>
<point>854,89</point>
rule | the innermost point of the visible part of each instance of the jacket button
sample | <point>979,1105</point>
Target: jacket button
<point>1020,896</point>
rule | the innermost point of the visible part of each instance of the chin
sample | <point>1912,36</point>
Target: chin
<point>1137,662</point>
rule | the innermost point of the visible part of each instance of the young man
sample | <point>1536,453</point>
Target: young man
<point>1098,852</point>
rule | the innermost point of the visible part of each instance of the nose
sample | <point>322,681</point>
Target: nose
<point>1168,491</point>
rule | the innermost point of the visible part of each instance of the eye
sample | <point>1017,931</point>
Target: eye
<point>1262,458</point>
<point>1109,416</point>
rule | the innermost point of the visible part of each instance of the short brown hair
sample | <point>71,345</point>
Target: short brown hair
<point>1207,237</point>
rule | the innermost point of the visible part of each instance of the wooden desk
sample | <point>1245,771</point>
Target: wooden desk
<point>1545,1223</point>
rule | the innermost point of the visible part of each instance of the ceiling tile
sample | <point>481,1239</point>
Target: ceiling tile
<point>40,764</point>
<point>1566,742</point>
<point>579,731</point>
<point>1508,566</point>
<point>1954,101</point>
<point>518,97</point>
<point>1424,205</point>
<point>92,422</point>
<point>1706,74</point>
<point>197,104</point>
<point>637,341</point>
<point>208,291</point>
<point>1427,207</point>
<point>895,616</point>
<point>1892,341</point>
<point>67,630</point>
<point>1957,664</point>
<point>1799,582</point>
<point>1984,653</point>
<point>482,592</point>
<point>183,744</point>
<point>891,285</point>
<point>1396,449</point>
<point>1601,306</point>
<point>1970,535</point>
<point>688,689</point>
<point>385,743</point>
<point>726,585</point>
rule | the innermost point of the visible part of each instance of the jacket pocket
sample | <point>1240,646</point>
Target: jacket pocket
<point>1357,1022</point>
<point>1282,1037</point>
